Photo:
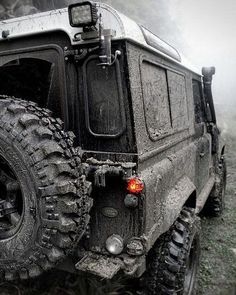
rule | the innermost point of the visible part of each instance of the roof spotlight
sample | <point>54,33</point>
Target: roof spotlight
<point>84,14</point>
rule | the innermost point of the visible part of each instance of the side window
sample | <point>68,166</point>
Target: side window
<point>156,100</point>
<point>198,101</point>
<point>178,100</point>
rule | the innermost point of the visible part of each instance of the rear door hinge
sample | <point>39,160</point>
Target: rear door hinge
<point>75,54</point>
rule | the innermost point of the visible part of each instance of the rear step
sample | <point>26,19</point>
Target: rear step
<point>107,267</point>
<point>102,266</point>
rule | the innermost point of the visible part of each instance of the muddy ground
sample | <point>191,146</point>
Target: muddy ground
<point>218,262</point>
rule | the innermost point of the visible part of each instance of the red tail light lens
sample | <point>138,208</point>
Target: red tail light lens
<point>135,185</point>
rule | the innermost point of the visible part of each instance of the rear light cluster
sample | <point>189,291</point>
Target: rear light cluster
<point>135,185</point>
<point>115,244</point>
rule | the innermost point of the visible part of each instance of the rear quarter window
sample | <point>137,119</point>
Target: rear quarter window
<point>198,101</point>
<point>178,100</point>
<point>165,100</point>
<point>156,100</point>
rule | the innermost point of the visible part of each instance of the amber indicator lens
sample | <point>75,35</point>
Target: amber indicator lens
<point>135,185</point>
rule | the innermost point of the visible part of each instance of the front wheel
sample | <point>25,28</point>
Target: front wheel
<point>173,262</point>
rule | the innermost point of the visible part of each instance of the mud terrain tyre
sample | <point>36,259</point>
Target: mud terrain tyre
<point>215,203</point>
<point>44,198</point>
<point>173,262</point>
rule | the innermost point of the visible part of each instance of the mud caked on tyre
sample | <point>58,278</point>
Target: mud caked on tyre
<point>215,203</point>
<point>44,200</point>
<point>173,261</point>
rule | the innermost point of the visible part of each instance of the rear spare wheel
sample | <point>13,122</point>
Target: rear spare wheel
<point>44,199</point>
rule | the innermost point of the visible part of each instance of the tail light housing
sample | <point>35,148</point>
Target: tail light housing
<point>135,185</point>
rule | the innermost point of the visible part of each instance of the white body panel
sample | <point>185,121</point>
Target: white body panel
<point>58,20</point>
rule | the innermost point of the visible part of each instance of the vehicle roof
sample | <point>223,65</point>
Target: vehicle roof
<point>124,27</point>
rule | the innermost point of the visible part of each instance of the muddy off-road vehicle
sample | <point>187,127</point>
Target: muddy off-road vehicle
<point>109,149</point>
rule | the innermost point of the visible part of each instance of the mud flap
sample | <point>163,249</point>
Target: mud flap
<point>222,154</point>
<point>222,165</point>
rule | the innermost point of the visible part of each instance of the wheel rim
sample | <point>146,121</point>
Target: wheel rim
<point>11,201</point>
<point>191,269</point>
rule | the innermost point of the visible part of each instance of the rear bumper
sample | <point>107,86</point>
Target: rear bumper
<point>107,267</point>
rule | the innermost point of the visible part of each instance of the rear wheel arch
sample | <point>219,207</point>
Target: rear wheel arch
<point>173,261</point>
<point>215,203</point>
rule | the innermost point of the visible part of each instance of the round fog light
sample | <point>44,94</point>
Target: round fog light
<point>115,244</point>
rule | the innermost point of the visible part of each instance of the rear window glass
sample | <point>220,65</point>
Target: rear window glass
<point>198,101</point>
<point>28,78</point>
<point>33,76</point>
<point>104,99</point>
<point>178,100</point>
